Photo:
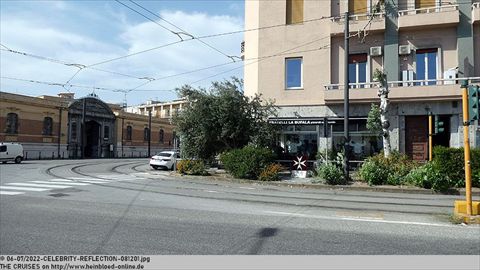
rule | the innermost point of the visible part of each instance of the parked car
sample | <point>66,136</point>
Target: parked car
<point>11,152</point>
<point>164,160</point>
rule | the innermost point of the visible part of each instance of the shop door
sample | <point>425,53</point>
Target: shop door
<point>416,135</point>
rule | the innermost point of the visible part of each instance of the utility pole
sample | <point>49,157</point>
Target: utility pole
<point>149,130</point>
<point>430,136</point>
<point>83,133</point>
<point>346,108</point>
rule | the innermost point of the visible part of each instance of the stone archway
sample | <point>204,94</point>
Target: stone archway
<point>92,134</point>
<point>91,128</point>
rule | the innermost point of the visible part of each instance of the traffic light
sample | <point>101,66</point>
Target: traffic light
<point>473,102</point>
<point>439,125</point>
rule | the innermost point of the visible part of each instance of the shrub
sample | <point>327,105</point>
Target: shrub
<point>429,176</point>
<point>452,164</point>
<point>378,170</point>
<point>247,162</point>
<point>331,173</point>
<point>271,172</point>
<point>191,167</point>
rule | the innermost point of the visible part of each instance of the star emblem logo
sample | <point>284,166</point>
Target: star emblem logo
<point>300,163</point>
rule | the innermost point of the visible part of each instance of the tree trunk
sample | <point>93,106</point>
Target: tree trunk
<point>383,94</point>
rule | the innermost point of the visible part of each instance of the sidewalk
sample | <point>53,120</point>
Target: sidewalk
<point>287,181</point>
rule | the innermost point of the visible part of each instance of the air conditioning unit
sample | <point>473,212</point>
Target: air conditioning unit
<point>450,74</point>
<point>376,51</point>
<point>404,49</point>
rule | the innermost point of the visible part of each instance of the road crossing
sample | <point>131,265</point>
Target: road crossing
<point>17,188</point>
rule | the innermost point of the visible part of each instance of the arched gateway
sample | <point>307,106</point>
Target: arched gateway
<point>91,128</point>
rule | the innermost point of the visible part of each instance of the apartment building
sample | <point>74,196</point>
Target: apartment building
<point>159,109</point>
<point>297,58</point>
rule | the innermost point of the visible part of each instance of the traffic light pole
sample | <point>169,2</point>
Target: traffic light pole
<point>466,145</point>
<point>430,136</point>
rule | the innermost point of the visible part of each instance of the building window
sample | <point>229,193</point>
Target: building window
<point>426,63</point>
<point>358,6</point>
<point>161,136</point>
<point>47,126</point>
<point>74,131</point>
<point>357,70</point>
<point>293,73</point>
<point>294,11</point>
<point>12,123</point>
<point>106,133</point>
<point>129,133</point>
<point>145,134</point>
<point>425,3</point>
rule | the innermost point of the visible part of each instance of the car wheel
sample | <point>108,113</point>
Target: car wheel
<point>18,160</point>
<point>171,168</point>
<point>4,162</point>
<point>155,167</point>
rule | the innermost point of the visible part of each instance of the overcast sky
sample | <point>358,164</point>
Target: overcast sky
<point>83,33</point>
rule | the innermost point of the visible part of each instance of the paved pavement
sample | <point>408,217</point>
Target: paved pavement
<point>123,207</point>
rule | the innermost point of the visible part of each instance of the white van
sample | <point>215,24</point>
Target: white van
<point>11,152</point>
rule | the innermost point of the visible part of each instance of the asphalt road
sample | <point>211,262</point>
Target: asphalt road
<point>123,207</point>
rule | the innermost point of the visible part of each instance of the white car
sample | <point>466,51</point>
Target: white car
<point>164,159</point>
<point>11,152</point>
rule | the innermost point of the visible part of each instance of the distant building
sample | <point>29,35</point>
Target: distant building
<point>51,127</point>
<point>158,108</point>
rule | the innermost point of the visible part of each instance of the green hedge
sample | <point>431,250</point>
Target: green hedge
<point>429,176</point>
<point>378,170</point>
<point>191,167</point>
<point>248,162</point>
<point>331,173</point>
<point>451,163</point>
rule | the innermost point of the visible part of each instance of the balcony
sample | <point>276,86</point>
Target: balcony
<point>400,91</point>
<point>476,12</point>
<point>428,17</point>
<point>358,22</point>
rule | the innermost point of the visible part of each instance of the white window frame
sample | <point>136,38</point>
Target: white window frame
<point>286,73</point>
<point>437,67</point>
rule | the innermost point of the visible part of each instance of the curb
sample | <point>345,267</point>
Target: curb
<point>385,189</point>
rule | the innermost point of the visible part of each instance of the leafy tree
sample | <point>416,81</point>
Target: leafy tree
<point>374,124</point>
<point>222,118</point>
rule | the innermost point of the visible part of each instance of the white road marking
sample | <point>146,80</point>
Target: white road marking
<point>24,188</point>
<point>10,193</point>
<point>247,188</point>
<point>360,219</point>
<point>38,185</point>
<point>211,191</point>
<point>95,181</point>
<point>60,183</point>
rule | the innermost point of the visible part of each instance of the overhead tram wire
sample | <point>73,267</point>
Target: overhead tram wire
<point>184,31</point>
<point>69,64</point>
<point>202,37</point>
<point>170,90</point>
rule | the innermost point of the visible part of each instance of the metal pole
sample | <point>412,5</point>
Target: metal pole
<point>82,128</point>
<point>123,121</point>
<point>59,130</point>
<point>430,136</point>
<point>346,93</point>
<point>149,130</point>
<point>466,145</point>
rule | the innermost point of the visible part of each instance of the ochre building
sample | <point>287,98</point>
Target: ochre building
<point>64,127</point>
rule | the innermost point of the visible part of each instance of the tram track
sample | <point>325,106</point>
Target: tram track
<point>309,201</point>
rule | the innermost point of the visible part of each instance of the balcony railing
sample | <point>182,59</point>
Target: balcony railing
<point>411,83</point>
<point>476,5</point>
<point>428,10</point>
<point>358,17</point>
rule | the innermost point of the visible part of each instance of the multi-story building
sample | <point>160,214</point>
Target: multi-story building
<point>57,127</point>
<point>159,109</point>
<point>297,58</point>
